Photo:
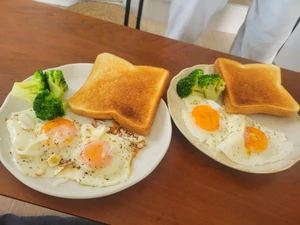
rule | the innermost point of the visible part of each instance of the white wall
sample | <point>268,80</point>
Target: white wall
<point>58,2</point>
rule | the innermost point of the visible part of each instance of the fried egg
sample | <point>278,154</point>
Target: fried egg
<point>100,163</point>
<point>256,145</point>
<point>90,152</point>
<point>208,121</point>
<point>240,138</point>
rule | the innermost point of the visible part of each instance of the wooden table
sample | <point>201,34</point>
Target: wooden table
<point>187,187</point>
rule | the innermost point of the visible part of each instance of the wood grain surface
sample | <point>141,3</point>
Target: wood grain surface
<point>187,187</point>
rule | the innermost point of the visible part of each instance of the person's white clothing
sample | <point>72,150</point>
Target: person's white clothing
<point>267,26</point>
<point>188,19</point>
<point>289,55</point>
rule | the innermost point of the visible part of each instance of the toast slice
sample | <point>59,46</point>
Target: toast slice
<point>254,88</point>
<point>116,89</point>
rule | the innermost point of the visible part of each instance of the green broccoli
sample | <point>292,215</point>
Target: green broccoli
<point>47,106</point>
<point>189,85</point>
<point>211,86</point>
<point>29,89</point>
<point>57,83</point>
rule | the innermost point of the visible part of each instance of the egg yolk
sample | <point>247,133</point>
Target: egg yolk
<point>206,117</point>
<point>255,140</point>
<point>61,132</point>
<point>96,154</point>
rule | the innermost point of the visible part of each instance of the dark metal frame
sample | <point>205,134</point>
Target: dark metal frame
<point>139,14</point>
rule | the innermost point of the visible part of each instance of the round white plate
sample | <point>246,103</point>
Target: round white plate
<point>289,126</point>
<point>143,164</point>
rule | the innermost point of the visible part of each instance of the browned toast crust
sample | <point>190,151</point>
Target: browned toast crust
<point>116,89</point>
<point>254,88</point>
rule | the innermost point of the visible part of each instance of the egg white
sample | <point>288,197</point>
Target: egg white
<point>229,138</point>
<point>35,159</point>
<point>278,147</point>
<point>228,122</point>
<point>118,170</point>
<point>25,144</point>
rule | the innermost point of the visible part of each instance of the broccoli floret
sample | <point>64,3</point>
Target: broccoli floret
<point>211,86</point>
<point>57,83</point>
<point>47,106</point>
<point>29,89</point>
<point>189,85</point>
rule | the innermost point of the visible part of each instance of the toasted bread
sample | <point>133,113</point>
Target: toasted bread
<point>116,89</point>
<point>254,88</point>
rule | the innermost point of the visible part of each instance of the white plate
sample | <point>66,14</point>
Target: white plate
<point>144,163</point>
<point>289,126</point>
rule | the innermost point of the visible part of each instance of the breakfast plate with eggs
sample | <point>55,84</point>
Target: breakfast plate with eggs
<point>60,165</point>
<point>228,143</point>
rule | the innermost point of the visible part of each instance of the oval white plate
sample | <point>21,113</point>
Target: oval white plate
<point>143,164</point>
<point>289,126</point>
